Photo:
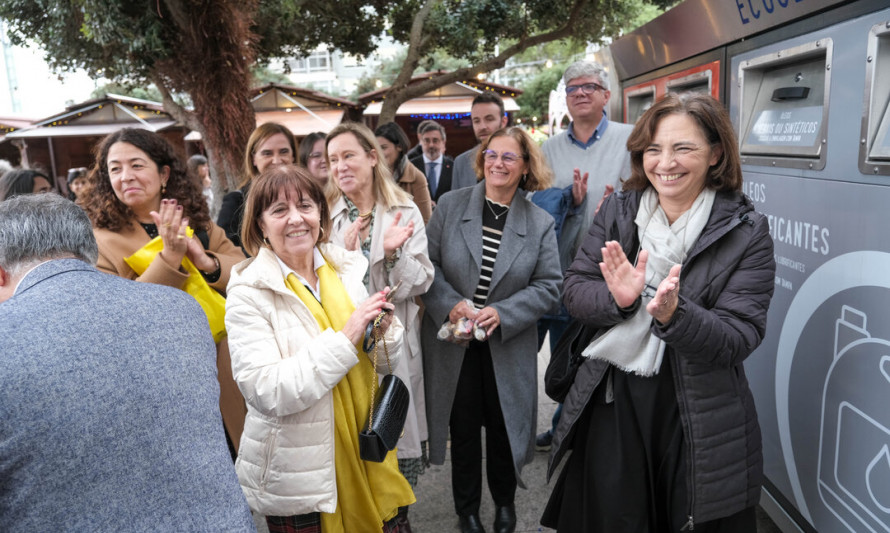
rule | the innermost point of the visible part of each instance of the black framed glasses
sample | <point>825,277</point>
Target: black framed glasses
<point>585,88</point>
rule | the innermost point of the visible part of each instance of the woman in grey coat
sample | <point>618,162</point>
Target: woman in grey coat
<point>496,263</point>
<point>676,274</point>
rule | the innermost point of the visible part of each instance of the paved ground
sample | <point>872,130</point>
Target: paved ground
<point>434,511</point>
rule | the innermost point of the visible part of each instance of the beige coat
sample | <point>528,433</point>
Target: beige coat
<point>286,367</point>
<point>115,246</point>
<point>412,181</point>
<point>415,271</point>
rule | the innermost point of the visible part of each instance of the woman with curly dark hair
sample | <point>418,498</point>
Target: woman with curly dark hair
<point>140,191</point>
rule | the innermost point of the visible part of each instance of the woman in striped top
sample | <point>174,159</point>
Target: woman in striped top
<point>497,263</point>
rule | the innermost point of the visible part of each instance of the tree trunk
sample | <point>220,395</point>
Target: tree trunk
<point>213,67</point>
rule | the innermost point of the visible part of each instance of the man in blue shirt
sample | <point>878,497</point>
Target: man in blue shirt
<point>592,151</point>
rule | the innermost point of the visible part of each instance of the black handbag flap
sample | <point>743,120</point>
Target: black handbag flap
<point>566,358</point>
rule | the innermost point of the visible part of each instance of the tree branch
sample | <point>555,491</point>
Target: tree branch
<point>416,43</point>
<point>179,113</point>
<point>401,92</point>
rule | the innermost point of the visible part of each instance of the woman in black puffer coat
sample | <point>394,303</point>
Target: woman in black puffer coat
<point>676,274</point>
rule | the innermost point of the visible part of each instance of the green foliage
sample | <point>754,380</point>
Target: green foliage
<point>103,38</point>
<point>388,69</point>
<point>149,92</point>
<point>561,51</point>
<point>297,27</point>
<point>535,99</point>
<point>262,75</point>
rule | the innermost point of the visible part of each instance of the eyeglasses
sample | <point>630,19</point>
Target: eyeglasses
<point>509,158</point>
<point>586,88</point>
<point>316,155</point>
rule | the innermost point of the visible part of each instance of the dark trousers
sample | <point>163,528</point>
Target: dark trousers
<point>556,325</point>
<point>475,405</point>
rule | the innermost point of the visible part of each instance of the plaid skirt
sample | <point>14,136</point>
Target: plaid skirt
<point>311,523</point>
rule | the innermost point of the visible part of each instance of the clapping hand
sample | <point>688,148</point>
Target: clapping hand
<point>579,187</point>
<point>667,297</point>
<point>352,237</point>
<point>625,281</point>
<point>171,226</point>
<point>606,192</point>
<point>395,235</point>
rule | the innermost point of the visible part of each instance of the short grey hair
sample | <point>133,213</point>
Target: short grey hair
<point>586,69</point>
<point>39,227</point>
<point>430,125</point>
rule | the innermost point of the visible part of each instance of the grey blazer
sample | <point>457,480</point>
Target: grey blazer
<point>112,421</point>
<point>526,282</point>
<point>463,174</point>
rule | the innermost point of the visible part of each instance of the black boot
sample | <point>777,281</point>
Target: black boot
<point>404,525</point>
<point>471,524</point>
<point>505,519</point>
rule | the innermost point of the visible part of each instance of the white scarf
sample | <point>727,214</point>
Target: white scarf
<point>630,345</point>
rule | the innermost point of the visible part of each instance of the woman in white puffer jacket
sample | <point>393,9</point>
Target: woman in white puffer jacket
<point>296,313</point>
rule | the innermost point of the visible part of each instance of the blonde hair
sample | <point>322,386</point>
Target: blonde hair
<point>386,192</point>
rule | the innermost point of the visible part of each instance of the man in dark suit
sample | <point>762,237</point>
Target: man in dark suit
<point>109,402</point>
<point>432,161</point>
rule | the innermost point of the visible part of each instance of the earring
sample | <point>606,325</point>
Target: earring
<point>320,232</point>
<point>266,241</point>
<point>163,188</point>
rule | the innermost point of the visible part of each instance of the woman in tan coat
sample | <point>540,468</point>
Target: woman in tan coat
<point>394,145</point>
<point>139,190</point>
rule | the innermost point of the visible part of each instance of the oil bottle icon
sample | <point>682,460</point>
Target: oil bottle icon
<point>854,447</point>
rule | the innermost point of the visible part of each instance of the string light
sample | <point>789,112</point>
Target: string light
<point>441,116</point>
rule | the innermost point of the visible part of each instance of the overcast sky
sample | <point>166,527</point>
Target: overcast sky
<point>40,93</point>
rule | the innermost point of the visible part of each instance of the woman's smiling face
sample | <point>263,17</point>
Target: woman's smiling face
<point>351,167</point>
<point>504,164</point>
<point>677,162</point>
<point>291,225</point>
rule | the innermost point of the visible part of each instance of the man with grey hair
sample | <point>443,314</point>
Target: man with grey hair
<point>591,151</point>
<point>593,148</point>
<point>109,413</point>
<point>432,161</point>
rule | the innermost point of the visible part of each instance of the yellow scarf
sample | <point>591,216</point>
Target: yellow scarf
<point>212,302</point>
<point>369,494</point>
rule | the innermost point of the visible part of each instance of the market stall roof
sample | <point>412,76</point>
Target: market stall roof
<point>10,123</point>
<point>454,98</point>
<point>99,116</point>
<point>302,111</point>
<point>275,96</point>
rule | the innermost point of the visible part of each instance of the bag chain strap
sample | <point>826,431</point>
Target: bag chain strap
<point>378,336</point>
